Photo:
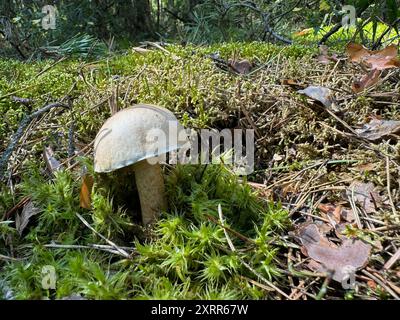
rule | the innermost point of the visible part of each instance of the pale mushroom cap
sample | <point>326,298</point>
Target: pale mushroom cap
<point>126,137</point>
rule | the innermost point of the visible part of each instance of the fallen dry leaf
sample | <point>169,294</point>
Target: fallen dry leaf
<point>241,67</point>
<point>337,212</point>
<point>356,52</point>
<point>364,195</point>
<point>338,217</point>
<point>324,56</point>
<point>340,261</point>
<point>366,81</point>
<point>379,60</point>
<point>22,220</point>
<point>376,60</point>
<point>52,163</point>
<point>321,94</point>
<point>384,59</point>
<point>377,129</point>
<point>289,188</point>
<point>86,191</point>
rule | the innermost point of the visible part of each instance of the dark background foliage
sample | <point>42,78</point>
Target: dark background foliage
<point>118,23</point>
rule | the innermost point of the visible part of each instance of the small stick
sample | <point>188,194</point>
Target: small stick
<point>15,208</point>
<point>392,260</point>
<point>7,258</point>
<point>121,251</point>
<point>385,228</point>
<point>260,285</point>
<point>389,191</point>
<point>25,101</point>
<point>71,144</point>
<point>92,246</point>
<point>355,209</point>
<point>78,153</point>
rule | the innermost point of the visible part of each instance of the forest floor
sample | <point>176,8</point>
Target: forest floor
<point>317,219</point>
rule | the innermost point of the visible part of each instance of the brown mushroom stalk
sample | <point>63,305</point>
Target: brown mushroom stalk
<point>150,185</point>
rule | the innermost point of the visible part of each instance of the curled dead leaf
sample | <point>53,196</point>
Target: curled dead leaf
<point>379,60</point>
<point>321,94</point>
<point>356,52</point>
<point>372,284</point>
<point>22,220</point>
<point>339,218</point>
<point>366,167</point>
<point>52,163</point>
<point>377,129</point>
<point>324,56</point>
<point>241,67</point>
<point>366,81</point>
<point>86,191</point>
<point>337,213</point>
<point>350,256</point>
<point>293,84</point>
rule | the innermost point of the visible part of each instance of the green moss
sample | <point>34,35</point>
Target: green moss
<point>187,257</point>
<point>186,254</point>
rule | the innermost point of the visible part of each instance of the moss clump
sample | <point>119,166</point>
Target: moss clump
<point>185,257</point>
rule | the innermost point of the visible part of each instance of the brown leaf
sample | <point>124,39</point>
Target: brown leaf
<point>52,163</point>
<point>365,195</point>
<point>338,216</point>
<point>350,256</point>
<point>384,59</point>
<point>331,211</point>
<point>22,220</point>
<point>86,191</point>
<point>356,52</point>
<point>379,60</point>
<point>377,129</point>
<point>241,67</point>
<point>366,81</point>
<point>324,56</point>
<point>320,94</point>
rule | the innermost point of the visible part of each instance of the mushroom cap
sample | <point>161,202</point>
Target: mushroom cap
<point>128,137</point>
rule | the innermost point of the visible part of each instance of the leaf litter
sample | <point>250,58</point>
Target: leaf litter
<point>376,61</point>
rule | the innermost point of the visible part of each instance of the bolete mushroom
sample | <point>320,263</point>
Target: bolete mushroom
<point>135,137</point>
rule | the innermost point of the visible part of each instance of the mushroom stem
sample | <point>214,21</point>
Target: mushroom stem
<point>150,185</point>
